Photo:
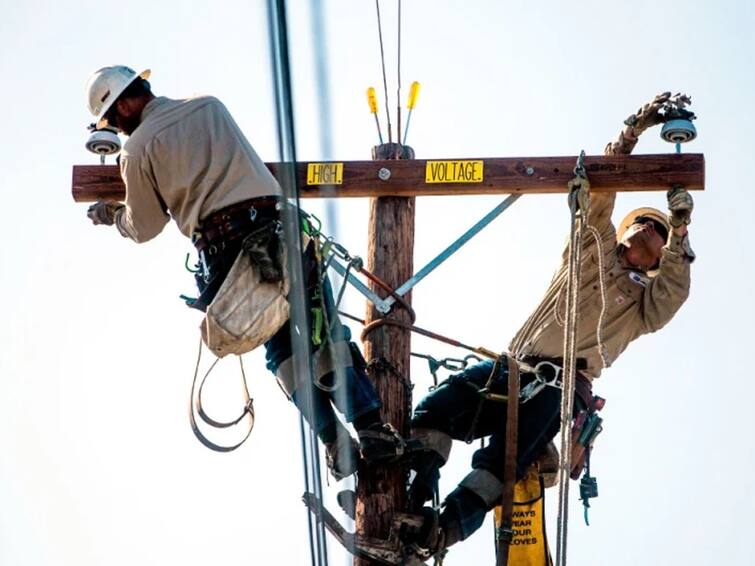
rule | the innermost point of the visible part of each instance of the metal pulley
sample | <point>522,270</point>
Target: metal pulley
<point>103,142</point>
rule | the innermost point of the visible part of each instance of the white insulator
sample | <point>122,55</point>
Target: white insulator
<point>678,131</point>
<point>103,142</point>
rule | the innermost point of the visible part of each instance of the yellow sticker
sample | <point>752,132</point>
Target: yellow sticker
<point>324,173</point>
<point>453,172</point>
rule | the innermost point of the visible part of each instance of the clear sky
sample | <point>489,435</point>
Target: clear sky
<point>98,463</point>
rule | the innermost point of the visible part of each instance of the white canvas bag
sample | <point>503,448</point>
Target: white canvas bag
<point>246,312</point>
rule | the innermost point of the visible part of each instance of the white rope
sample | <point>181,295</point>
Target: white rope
<point>603,298</point>
<point>574,274</point>
<point>560,300</point>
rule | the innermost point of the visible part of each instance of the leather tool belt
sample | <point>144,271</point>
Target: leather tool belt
<point>233,222</point>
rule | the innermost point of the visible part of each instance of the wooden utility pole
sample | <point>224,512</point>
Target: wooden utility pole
<point>390,255</point>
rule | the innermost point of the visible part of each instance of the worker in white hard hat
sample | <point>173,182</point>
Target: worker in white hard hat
<point>188,160</point>
<point>635,278</point>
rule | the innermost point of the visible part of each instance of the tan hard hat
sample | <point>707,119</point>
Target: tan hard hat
<point>106,85</point>
<point>648,212</point>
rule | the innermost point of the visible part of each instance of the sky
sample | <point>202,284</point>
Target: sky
<point>99,465</point>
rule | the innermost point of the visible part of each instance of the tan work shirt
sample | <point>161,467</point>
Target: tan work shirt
<point>187,159</point>
<point>635,303</point>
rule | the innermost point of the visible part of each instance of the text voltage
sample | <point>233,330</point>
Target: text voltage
<point>454,171</point>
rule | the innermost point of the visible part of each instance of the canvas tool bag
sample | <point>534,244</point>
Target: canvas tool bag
<point>246,311</point>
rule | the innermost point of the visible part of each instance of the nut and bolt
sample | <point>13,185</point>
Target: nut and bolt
<point>384,174</point>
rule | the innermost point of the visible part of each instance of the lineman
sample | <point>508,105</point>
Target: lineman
<point>642,269</point>
<point>188,160</point>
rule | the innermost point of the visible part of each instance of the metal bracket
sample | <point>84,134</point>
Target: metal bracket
<point>384,305</point>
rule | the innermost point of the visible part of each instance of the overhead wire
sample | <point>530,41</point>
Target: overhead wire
<point>385,79</point>
<point>398,89</point>
<point>298,320</point>
<point>322,89</point>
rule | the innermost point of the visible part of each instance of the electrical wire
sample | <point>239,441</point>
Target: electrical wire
<point>398,90</point>
<point>382,61</point>
<point>298,322</point>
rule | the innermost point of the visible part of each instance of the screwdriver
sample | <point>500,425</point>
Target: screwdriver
<point>413,92</point>
<point>372,101</point>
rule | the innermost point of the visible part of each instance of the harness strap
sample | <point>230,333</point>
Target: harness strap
<point>248,410</point>
<point>505,533</point>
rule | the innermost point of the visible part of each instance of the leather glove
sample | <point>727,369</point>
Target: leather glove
<point>680,205</point>
<point>647,116</point>
<point>103,212</point>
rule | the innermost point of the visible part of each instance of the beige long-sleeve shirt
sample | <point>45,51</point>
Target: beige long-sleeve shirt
<point>636,303</point>
<point>186,160</point>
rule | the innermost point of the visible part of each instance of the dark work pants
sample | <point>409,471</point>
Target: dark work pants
<point>451,409</point>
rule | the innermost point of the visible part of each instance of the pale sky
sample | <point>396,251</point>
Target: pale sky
<point>99,465</point>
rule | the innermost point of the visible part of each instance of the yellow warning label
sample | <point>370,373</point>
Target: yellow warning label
<point>453,172</point>
<point>324,173</point>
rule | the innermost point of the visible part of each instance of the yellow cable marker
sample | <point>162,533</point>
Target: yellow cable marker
<point>372,101</point>
<point>413,92</point>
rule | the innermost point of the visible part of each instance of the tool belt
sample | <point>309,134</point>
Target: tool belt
<point>233,222</point>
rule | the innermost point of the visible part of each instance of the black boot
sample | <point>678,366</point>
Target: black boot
<point>381,443</point>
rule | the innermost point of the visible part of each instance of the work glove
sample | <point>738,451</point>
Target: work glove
<point>103,212</point>
<point>647,116</point>
<point>680,205</point>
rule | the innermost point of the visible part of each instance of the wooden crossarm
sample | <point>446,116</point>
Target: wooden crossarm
<point>415,178</point>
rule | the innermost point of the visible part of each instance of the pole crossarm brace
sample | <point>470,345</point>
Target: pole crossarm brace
<point>465,176</point>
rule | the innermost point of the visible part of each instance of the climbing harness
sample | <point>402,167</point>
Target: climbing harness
<point>579,205</point>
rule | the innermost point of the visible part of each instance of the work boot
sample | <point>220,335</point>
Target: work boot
<point>426,465</point>
<point>426,541</point>
<point>381,443</point>
<point>342,455</point>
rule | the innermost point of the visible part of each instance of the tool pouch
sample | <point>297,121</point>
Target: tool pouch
<point>247,310</point>
<point>529,545</point>
<point>264,248</point>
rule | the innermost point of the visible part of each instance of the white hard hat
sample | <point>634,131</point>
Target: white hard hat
<point>106,85</point>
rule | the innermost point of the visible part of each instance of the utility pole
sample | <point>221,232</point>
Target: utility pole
<point>390,238</point>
